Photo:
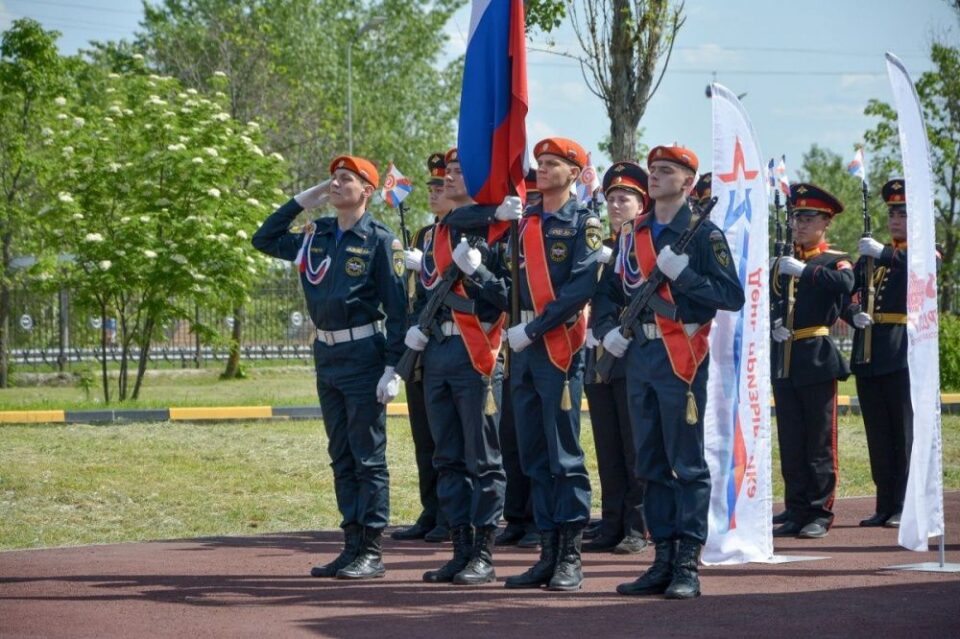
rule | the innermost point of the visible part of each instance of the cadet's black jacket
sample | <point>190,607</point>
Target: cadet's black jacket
<point>363,281</point>
<point>710,283</point>
<point>819,294</point>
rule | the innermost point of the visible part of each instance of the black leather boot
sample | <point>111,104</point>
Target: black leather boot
<point>658,576</point>
<point>480,568</point>
<point>368,563</point>
<point>686,572</point>
<point>418,530</point>
<point>462,537</point>
<point>352,534</point>
<point>568,575</point>
<point>540,573</point>
<point>513,533</point>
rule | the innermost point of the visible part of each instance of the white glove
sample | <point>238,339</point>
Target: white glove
<point>605,254</point>
<point>672,264</point>
<point>388,387</point>
<point>466,257</point>
<point>315,196</point>
<point>412,259</point>
<point>862,320</point>
<point>869,247</point>
<point>791,266</point>
<point>592,341</point>
<point>615,343</point>
<point>517,336</point>
<point>415,339</point>
<point>781,334</point>
<point>510,209</point>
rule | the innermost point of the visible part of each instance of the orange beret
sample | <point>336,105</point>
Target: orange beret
<point>676,154</point>
<point>361,166</point>
<point>452,156</point>
<point>564,148</point>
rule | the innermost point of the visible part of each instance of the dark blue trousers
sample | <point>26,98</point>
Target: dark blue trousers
<point>470,477</point>
<point>347,376</point>
<point>423,447</point>
<point>669,450</point>
<point>549,438</point>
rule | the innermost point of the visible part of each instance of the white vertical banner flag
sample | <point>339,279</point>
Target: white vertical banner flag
<point>923,506</point>
<point>737,417</point>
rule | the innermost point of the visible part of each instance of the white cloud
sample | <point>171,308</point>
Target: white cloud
<point>860,81</point>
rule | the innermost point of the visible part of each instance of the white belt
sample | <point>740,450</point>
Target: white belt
<point>346,335</point>
<point>528,316</point>
<point>450,328</point>
<point>652,331</point>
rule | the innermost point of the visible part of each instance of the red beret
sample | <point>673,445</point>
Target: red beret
<point>676,154</point>
<point>564,148</point>
<point>361,166</point>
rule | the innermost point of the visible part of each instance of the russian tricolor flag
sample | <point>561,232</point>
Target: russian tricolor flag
<point>857,166</point>
<point>492,138</point>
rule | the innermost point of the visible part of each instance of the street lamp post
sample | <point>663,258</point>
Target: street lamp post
<point>372,23</point>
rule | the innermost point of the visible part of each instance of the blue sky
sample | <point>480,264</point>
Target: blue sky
<point>808,68</point>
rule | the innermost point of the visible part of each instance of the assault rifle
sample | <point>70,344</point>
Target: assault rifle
<point>646,296</point>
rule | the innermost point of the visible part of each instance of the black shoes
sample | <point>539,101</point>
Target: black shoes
<point>893,521</point>
<point>658,576</point>
<point>875,520</point>
<point>781,518</point>
<point>352,536</point>
<point>601,544</point>
<point>813,530</point>
<point>511,534</point>
<point>479,569</point>
<point>531,539</point>
<point>568,575</point>
<point>541,572</point>
<point>440,533</point>
<point>787,529</point>
<point>417,531</point>
<point>686,572</point>
<point>462,537</point>
<point>368,564</point>
<point>630,545</point>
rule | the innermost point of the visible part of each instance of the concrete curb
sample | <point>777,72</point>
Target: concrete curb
<point>949,402</point>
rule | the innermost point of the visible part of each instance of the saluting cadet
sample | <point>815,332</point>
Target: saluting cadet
<point>667,362</point>
<point>520,530</point>
<point>817,279</point>
<point>430,525</point>
<point>883,383</point>
<point>622,528</point>
<point>462,378</point>
<point>351,268</point>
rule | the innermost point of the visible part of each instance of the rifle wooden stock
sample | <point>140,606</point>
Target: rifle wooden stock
<point>645,296</point>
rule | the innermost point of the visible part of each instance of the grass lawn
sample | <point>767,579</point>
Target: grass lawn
<point>79,484</point>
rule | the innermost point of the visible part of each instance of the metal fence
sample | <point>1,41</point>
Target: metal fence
<point>47,331</point>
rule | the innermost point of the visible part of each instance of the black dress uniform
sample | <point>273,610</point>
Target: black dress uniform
<point>806,399</point>
<point>621,491</point>
<point>352,280</point>
<point>667,428</point>
<point>883,383</point>
<point>430,525</point>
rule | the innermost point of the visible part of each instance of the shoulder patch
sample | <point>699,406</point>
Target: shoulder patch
<point>396,245</point>
<point>716,235</point>
<point>843,265</point>
<point>398,263</point>
<point>594,238</point>
<point>720,249</point>
<point>592,222</point>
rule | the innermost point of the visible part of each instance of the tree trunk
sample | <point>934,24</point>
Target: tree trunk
<point>103,353</point>
<point>5,302</point>
<point>148,326</point>
<point>124,356</point>
<point>232,371</point>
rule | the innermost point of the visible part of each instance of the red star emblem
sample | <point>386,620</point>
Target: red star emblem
<point>738,166</point>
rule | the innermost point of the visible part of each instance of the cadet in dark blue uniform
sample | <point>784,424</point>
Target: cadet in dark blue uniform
<point>667,363</point>
<point>817,280</point>
<point>430,525</point>
<point>462,377</point>
<point>622,529</point>
<point>351,269</point>
<point>883,382</point>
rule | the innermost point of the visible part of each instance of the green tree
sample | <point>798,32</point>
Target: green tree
<point>828,170</point>
<point>163,192</point>
<point>31,75</point>
<point>939,92</point>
